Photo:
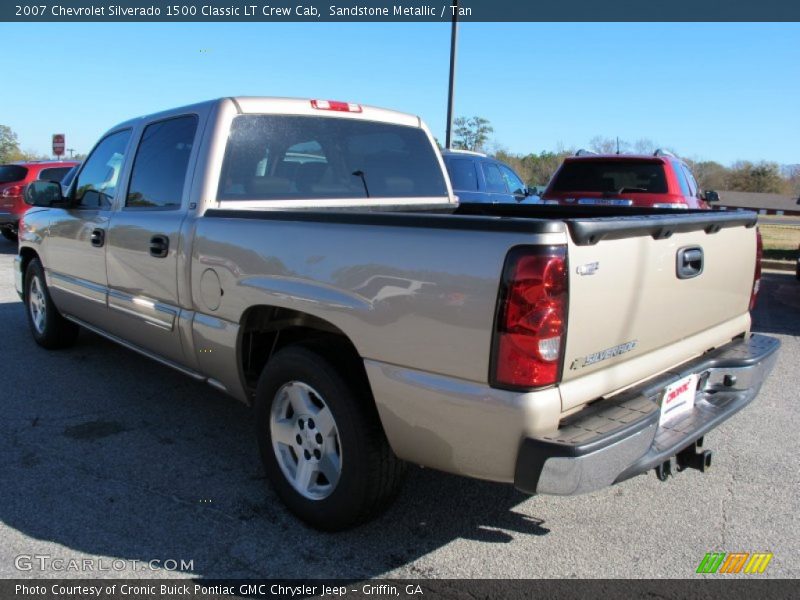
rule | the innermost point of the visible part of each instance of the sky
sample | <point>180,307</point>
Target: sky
<point>716,91</point>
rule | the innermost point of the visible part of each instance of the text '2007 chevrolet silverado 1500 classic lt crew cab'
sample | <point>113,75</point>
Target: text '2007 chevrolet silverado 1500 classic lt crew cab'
<point>310,258</point>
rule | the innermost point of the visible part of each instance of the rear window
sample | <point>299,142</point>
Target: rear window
<point>9,173</point>
<point>462,173</point>
<point>53,174</point>
<point>275,157</point>
<point>611,176</point>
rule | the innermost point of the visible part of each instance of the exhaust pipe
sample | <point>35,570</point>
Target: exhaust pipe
<point>664,470</point>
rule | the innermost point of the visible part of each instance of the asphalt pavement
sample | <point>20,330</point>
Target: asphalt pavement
<point>110,458</point>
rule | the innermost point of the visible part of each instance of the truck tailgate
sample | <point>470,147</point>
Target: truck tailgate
<point>649,292</point>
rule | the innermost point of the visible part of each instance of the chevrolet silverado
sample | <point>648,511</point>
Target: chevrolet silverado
<point>309,257</point>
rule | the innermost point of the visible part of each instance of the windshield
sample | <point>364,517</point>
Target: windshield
<point>9,173</point>
<point>611,176</point>
<point>290,157</point>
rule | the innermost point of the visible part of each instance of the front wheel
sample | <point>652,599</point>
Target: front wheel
<point>321,442</point>
<point>50,329</point>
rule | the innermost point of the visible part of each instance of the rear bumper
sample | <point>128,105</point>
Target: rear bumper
<point>617,439</point>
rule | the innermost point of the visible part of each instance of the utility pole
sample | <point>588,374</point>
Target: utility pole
<point>451,87</point>
<point>70,150</point>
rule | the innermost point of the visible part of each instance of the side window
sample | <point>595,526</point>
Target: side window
<point>159,168</point>
<point>462,174</point>
<point>513,182</point>
<point>494,179</point>
<point>692,183</point>
<point>97,181</point>
<point>53,174</point>
<point>679,174</point>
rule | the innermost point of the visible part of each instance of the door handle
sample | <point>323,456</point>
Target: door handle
<point>159,246</point>
<point>689,262</point>
<point>98,237</point>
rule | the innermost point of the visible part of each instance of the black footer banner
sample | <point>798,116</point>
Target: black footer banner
<point>747,588</point>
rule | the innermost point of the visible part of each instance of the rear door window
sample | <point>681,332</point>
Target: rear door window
<point>11,173</point>
<point>690,179</point>
<point>513,182</point>
<point>275,157</point>
<point>494,178</point>
<point>162,159</point>
<point>53,174</point>
<point>681,177</point>
<point>611,176</point>
<point>462,173</point>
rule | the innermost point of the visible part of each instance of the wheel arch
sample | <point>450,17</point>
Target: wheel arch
<point>265,329</point>
<point>27,254</point>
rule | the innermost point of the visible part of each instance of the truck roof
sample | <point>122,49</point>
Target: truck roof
<point>292,106</point>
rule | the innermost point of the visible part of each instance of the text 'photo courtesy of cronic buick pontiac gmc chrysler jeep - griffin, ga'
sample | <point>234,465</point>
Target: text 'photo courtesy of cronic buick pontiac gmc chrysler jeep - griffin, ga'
<point>309,257</point>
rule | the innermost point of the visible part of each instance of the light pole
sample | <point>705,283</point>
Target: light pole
<point>451,87</point>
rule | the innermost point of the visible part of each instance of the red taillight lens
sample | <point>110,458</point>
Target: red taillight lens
<point>336,105</point>
<point>14,190</point>
<point>757,274</point>
<point>531,318</point>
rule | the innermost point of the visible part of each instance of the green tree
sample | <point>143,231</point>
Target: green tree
<point>745,176</point>
<point>9,146</point>
<point>534,169</point>
<point>710,175</point>
<point>472,133</point>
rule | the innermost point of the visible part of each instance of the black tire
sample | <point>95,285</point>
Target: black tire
<point>370,475</point>
<point>9,234</point>
<point>51,330</point>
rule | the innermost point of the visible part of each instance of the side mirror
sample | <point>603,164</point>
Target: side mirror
<point>43,193</point>
<point>711,196</point>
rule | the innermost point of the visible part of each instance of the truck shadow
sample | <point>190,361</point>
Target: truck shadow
<point>106,453</point>
<point>778,307</point>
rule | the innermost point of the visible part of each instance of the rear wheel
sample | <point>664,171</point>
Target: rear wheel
<point>49,328</point>
<point>321,442</point>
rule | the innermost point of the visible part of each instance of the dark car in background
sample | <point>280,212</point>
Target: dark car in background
<point>14,178</point>
<point>660,180</point>
<point>476,177</point>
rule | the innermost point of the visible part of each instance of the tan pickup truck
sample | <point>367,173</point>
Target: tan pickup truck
<point>309,257</point>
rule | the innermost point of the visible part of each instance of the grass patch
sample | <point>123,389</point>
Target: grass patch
<point>780,237</point>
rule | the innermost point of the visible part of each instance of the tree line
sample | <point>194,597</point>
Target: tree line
<point>10,150</point>
<point>537,169</point>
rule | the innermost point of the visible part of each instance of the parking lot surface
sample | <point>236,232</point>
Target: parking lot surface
<point>107,455</point>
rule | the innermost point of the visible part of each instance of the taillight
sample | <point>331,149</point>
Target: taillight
<point>531,318</point>
<point>14,190</point>
<point>757,273</point>
<point>336,105</point>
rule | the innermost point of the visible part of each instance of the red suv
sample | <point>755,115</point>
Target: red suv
<point>14,178</point>
<point>658,181</point>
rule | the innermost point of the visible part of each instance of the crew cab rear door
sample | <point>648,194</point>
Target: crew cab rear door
<point>144,237</point>
<point>649,292</point>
